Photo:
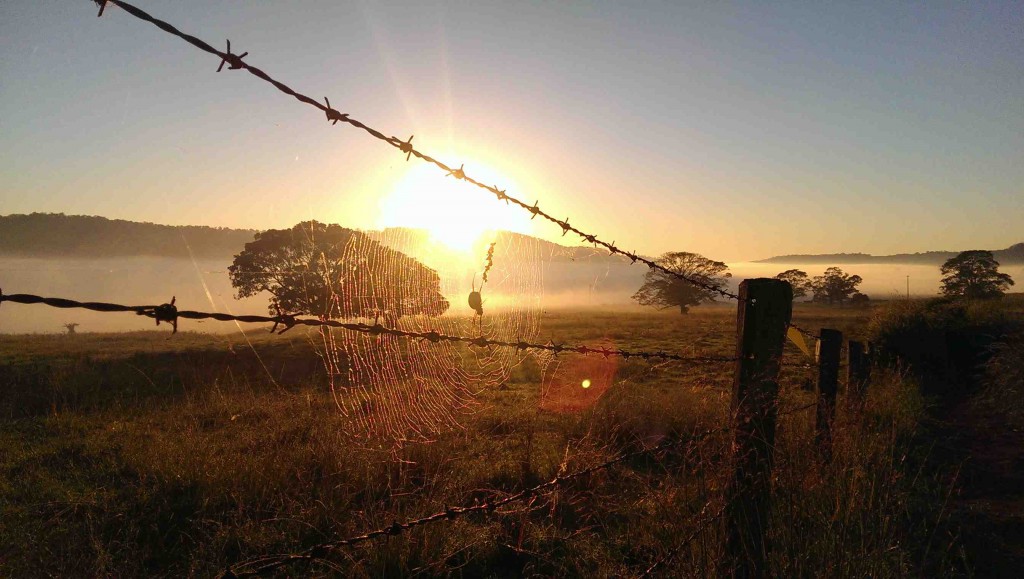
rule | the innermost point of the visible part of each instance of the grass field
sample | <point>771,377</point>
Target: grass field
<point>146,454</point>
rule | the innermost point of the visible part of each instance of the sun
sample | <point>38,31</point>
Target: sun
<point>455,213</point>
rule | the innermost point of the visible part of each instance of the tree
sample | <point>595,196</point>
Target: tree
<point>333,272</point>
<point>974,275</point>
<point>798,279</point>
<point>663,291</point>
<point>835,285</point>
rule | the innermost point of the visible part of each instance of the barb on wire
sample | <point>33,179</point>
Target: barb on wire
<point>267,564</point>
<point>235,62</point>
<point>171,314</point>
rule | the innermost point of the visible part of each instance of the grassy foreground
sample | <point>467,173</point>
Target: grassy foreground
<point>148,455</point>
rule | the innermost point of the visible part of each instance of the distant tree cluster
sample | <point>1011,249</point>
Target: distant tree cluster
<point>664,291</point>
<point>974,275</point>
<point>834,287</point>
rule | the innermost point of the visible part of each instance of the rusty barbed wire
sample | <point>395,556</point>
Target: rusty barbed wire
<point>263,565</point>
<point>235,62</point>
<point>689,539</point>
<point>171,314</point>
<point>789,411</point>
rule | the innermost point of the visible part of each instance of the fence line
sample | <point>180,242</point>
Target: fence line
<point>263,565</point>
<point>170,313</point>
<point>235,62</point>
<point>267,564</point>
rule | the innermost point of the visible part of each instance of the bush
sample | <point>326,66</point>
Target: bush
<point>942,341</point>
<point>1002,392</point>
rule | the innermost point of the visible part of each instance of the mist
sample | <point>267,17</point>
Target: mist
<point>203,284</point>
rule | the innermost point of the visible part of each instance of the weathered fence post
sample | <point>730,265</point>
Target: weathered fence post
<point>830,345</point>
<point>857,374</point>
<point>763,314</point>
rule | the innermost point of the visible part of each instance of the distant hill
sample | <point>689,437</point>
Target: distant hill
<point>1012,255</point>
<point>86,236</point>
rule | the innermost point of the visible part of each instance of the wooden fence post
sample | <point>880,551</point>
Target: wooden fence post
<point>763,314</point>
<point>830,346</point>
<point>857,374</point>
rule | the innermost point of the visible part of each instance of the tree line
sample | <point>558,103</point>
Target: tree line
<point>971,274</point>
<point>335,272</point>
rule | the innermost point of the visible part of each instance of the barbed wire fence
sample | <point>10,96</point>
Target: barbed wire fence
<point>263,565</point>
<point>170,314</point>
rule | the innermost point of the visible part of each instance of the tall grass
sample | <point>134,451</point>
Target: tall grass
<point>167,463</point>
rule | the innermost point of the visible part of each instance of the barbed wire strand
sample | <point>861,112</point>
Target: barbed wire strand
<point>170,314</point>
<point>269,563</point>
<point>263,565</point>
<point>235,62</point>
<point>689,539</point>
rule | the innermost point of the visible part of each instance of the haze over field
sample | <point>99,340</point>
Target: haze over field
<point>572,277</point>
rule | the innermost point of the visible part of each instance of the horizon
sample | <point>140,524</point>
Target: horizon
<point>559,242</point>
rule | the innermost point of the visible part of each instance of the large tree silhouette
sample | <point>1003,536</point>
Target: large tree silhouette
<point>835,285</point>
<point>334,272</point>
<point>974,275</point>
<point>664,291</point>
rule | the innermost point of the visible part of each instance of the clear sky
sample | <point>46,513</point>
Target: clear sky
<point>738,131</point>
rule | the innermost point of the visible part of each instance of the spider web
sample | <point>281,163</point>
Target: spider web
<point>394,388</point>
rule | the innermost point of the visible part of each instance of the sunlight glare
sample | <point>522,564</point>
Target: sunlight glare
<point>455,214</point>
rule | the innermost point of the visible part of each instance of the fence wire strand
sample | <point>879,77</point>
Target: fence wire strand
<point>263,565</point>
<point>267,564</point>
<point>235,62</point>
<point>170,314</point>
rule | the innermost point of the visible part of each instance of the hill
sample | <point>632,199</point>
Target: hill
<point>57,235</point>
<point>88,236</point>
<point>1013,255</point>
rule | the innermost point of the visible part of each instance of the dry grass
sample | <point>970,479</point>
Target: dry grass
<point>139,455</point>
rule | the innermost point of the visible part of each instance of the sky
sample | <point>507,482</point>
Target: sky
<point>735,130</point>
